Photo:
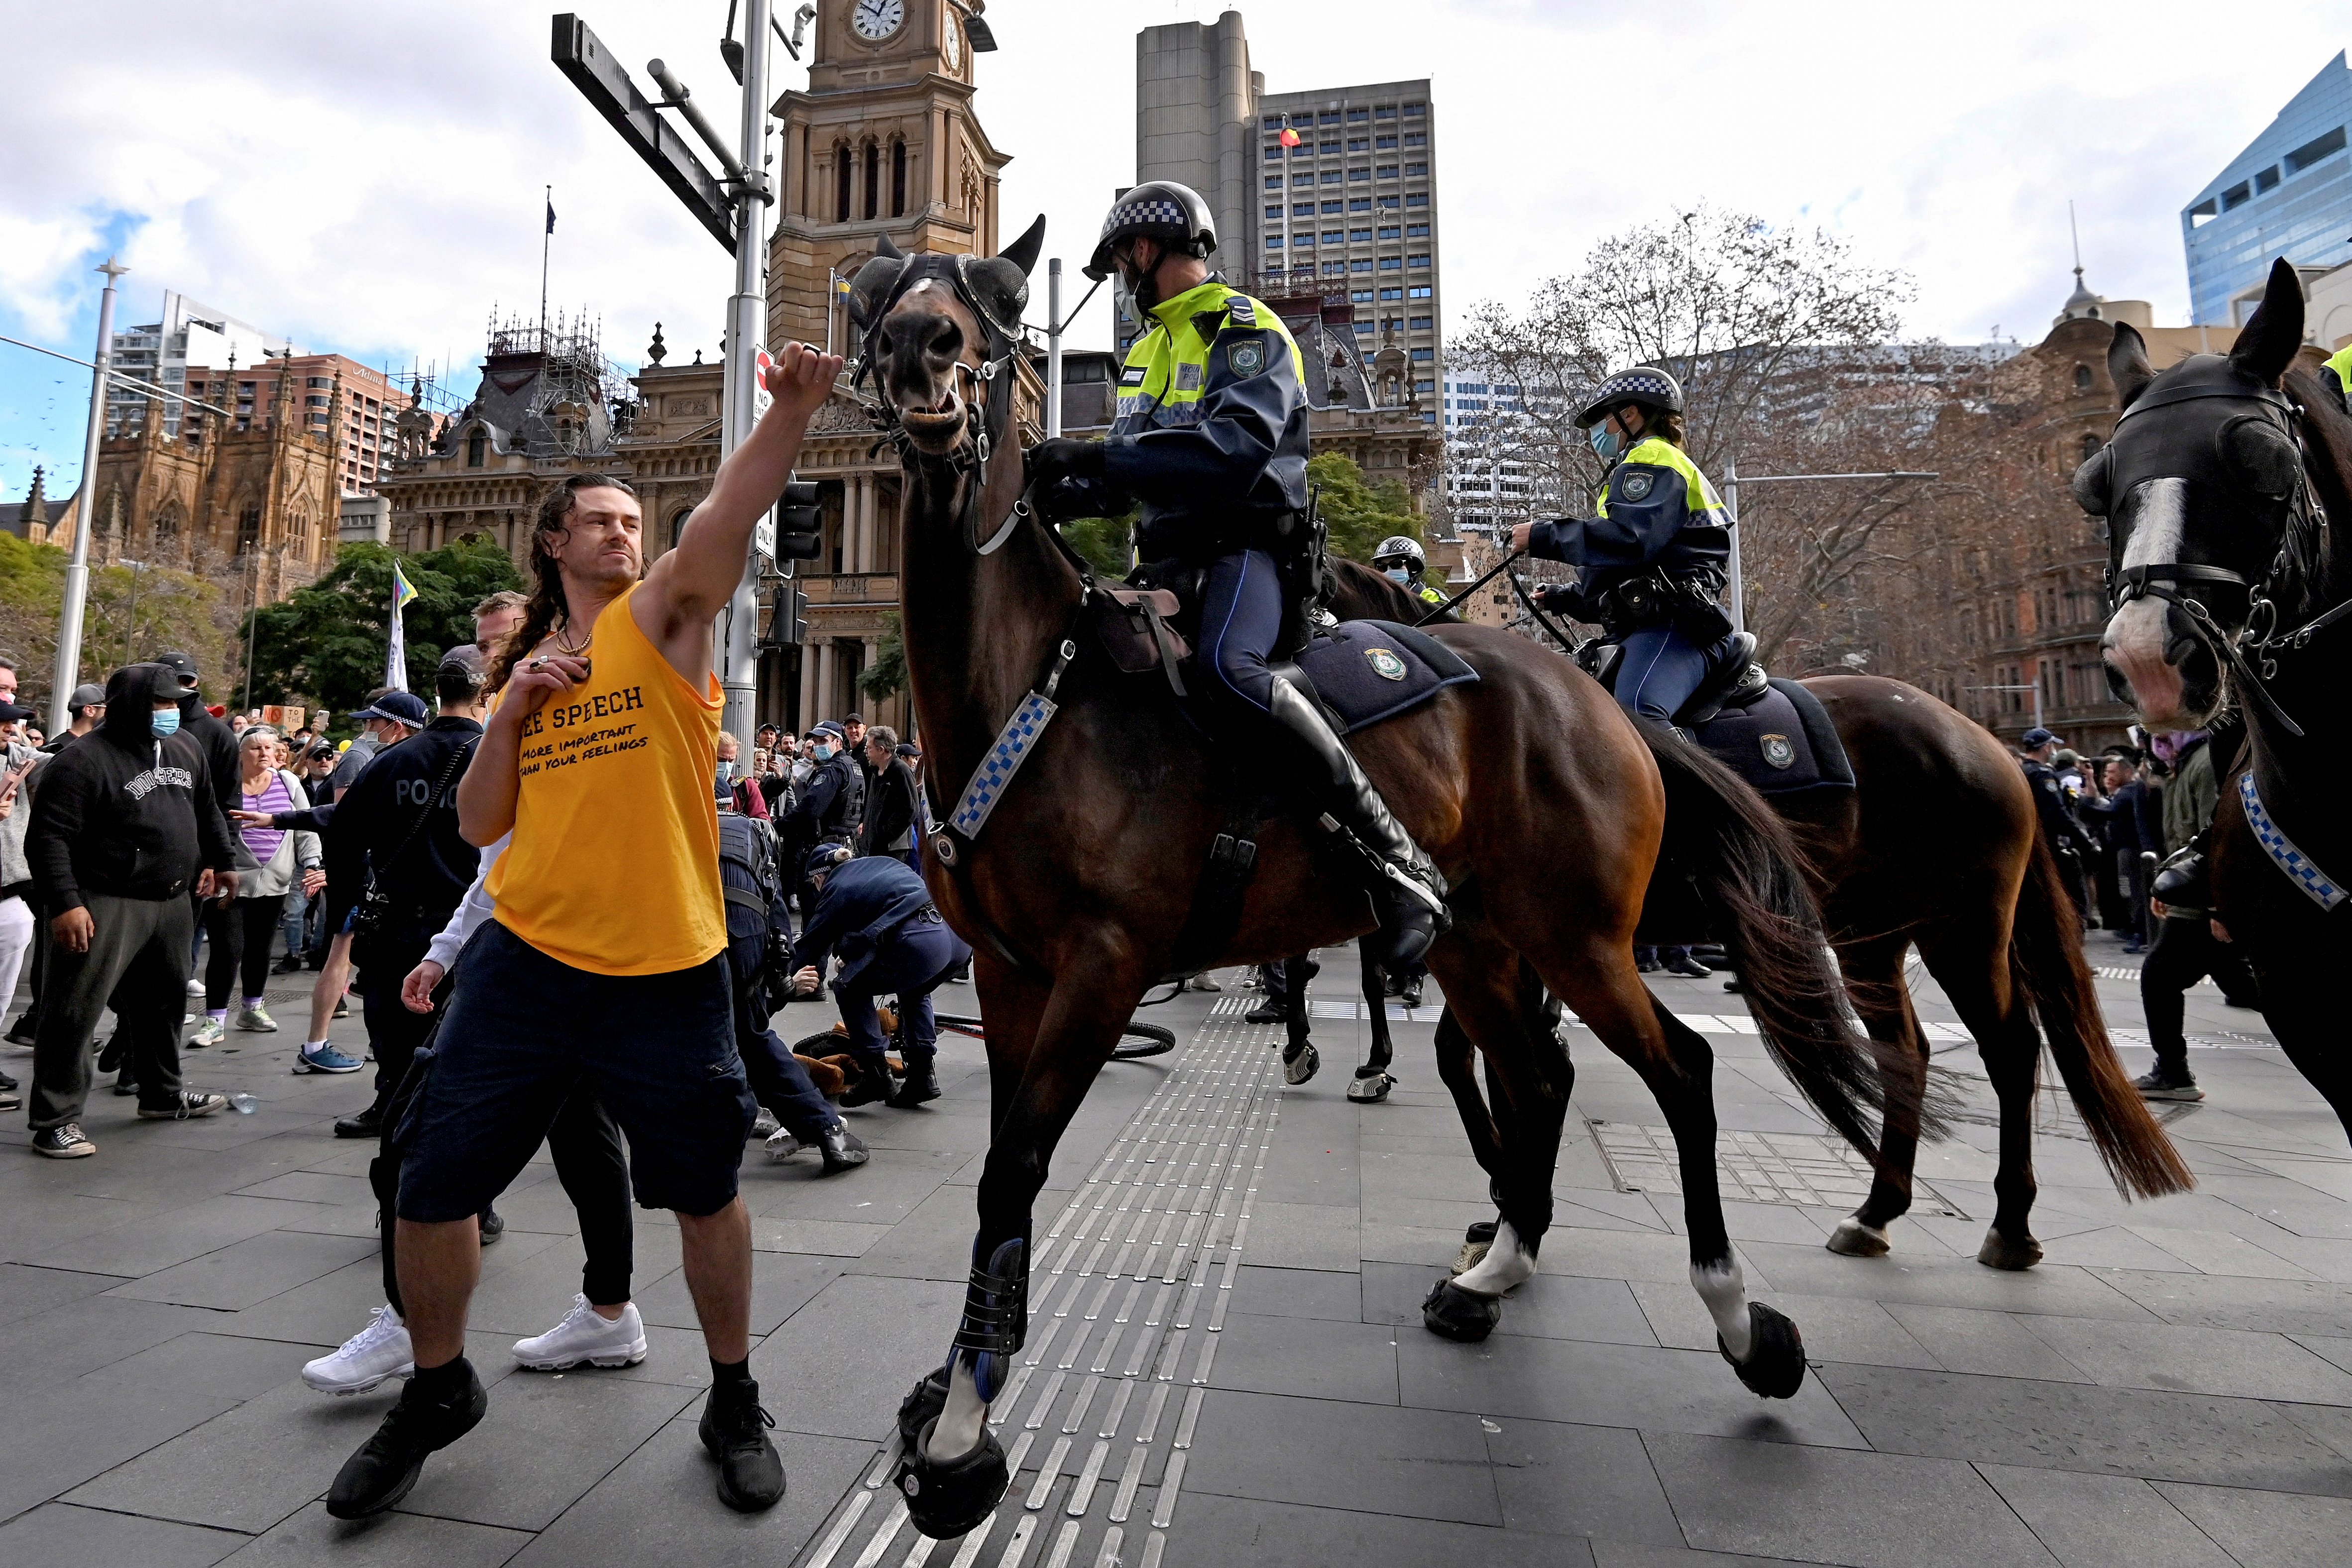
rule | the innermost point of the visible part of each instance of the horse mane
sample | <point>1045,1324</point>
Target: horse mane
<point>1376,597</point>
<point>2327,441</point>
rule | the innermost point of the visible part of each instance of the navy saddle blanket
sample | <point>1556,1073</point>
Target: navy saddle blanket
<point>1365,671</point>
<point>1780,744</point>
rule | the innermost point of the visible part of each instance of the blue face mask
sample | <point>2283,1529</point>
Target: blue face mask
<point>824,753</point>
<point>1606,443</point>
<point>726,769</point>
<point>166,722</point>
<point>1398,574</point>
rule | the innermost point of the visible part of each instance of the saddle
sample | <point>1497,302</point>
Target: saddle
<point>1773,732</point>
<point>1736,681</point>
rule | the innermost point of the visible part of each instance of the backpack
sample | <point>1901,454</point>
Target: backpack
<point>759,928</point>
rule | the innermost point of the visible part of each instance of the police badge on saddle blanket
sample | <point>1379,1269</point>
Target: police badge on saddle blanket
<point>1385,664</point>
<point>1777,751</point>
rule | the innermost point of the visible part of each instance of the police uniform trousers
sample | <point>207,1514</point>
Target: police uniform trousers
<point>911,961</point>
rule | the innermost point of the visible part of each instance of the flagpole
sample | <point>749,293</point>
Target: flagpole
<point>545,240</point>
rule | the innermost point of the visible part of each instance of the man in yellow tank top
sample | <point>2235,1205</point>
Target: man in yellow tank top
<point>597,967</point>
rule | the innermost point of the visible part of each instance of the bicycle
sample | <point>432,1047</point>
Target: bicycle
<point>1136,1041</point>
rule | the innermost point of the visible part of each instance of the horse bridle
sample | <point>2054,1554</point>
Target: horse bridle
<point>2172,581</point>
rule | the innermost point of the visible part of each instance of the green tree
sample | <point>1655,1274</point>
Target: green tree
<point>887,676</point>
<point>323,646</point>
<point>1105,542</point>
<point>175,609</point>
<point>1358,512</point>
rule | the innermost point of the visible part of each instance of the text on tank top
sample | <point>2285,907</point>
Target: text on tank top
<point>614,864</point>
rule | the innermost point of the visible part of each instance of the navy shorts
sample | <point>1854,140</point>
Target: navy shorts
<point>523,1030</point>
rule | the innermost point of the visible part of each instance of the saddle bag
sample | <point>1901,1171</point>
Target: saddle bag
<point>1134,628</point>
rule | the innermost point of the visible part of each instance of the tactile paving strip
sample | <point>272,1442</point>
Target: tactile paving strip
<point>1128,1294</point>
<point>1797,1170</point>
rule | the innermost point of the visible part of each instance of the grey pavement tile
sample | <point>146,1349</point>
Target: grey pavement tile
<point>1415,1463</point>
<point>841,1363</point>
<point>2331,1424</point>
<point>2197,1360</point>
<point>60,1533</point>
<point>2321,1259</point>
<point>1555,1305</point>
<point>2215,1302</point>
<point>1632,1554</point>
<point>1307,1170</point>
<point>545,1442</point>
<point>324,1312</point>
<point>2104,1521</point>
<point>1414,1246</point>
<point>1301,1293</point>
<point>2131,1432</point>
<point>79,1337</point>
<point>1835,1328</point>
<point>1946,1282</point>
<point>314,1187</point>
<point>2221,1252</point>
<point>883,1191</point>
<point>1304,1236</point>
<point>1302,1356</point>
<point>1213,1528</point>
<point>658,1506</point>
<point>781,1283</point>
<point>249,1271</point>
<point>1619,1255</point>
<point>1995,1344</point>
<point>1421,1213</point>
<point>935,1241</point>
<point>2292,1208</point>
<point>1792,1501</point>
<point>2265,1529</point>
<point>146,1246</point>
<point>394,1540</point>
<point>2110,1247</point>
<point>27,1292</point>
<point>1579,1480</point>
<point>39,1224</point>
<point>829,1238</point>
<point>1610,1385</point>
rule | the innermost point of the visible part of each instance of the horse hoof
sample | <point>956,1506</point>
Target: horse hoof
<point>1475,1242</point>
<point>1297,1069</point>
<point>1370,1085</point>
<point>1856,1238</point>
<point>1999,1252</point>
<point>1775,1366</point>
<point>1451,1313</point>
<point>952,1498</point>
<point>922,1406</point>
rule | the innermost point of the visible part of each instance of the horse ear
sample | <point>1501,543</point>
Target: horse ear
<point>2127,363</point>
<point>2272,335</point>
<point>872,287</point>
<point>1023,252</point>
<point>887,251</point>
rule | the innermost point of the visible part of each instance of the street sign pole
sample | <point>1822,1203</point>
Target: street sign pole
<point>68,674</point>
<point>747,309</point>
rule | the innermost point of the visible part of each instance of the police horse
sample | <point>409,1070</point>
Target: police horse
<point>1935,847</point>
<point>1542,804</point>
<point>2232,589</point>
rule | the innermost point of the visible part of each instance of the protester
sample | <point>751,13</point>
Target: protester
<point>877,916</point>
<point>2186,947</point>
<point>87,707</point>
<point>274,862</point>
<point>738,792</point>
<point>2118,817</point>
<point>494,619</point>
<point>125,826</point>
<point>17,923</point>
<point>893,810</point>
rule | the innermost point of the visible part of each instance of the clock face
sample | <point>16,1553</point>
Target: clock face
<point>874,20</point>
<point>954,44</point>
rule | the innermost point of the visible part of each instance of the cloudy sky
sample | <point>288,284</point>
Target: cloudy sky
<point>367,179</point>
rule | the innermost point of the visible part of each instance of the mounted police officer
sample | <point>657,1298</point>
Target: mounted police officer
<point>2336,377</point>
<point>1210,442</point>
<point>1655,555</point>
<point>1401,561</point>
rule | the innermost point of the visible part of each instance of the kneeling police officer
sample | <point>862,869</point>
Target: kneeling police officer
<point>1210,441</point>
<point>877,915</point>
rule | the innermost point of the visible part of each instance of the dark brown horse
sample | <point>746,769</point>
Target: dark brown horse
<point>2219,490</point>
<point>1936,847</point>
<point>1541,802</point>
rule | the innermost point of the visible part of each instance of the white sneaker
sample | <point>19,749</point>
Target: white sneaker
<point>782,1146</point>
<point>766,1124</point>
<point>210,1033</point>
<point>195,986</point>
<point>585,1335</point>
<point>377,1352</point>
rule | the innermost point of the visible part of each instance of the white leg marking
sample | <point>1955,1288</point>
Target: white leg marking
<point>1507,1264</point>
<point>958,1432</point>
<point>1724,1291</point>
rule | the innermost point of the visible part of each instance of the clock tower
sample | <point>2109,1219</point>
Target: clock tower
<point>882,140</point>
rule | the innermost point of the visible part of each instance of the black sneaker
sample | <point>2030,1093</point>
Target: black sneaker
<point>388,1464</point>
<point>2161,1085</point>
<point>187,1103</point>
<point>20,1033</point>
<point>493,1225</point>
<point>1689,968</point>
<point>6,1082</point>
<point>843,1150</point>
<point>735,1429</point>
<point>289,964</point>
<point>368,1123</point>
<point>124,1088</point>
<point>1268,1012</point>
<point>66,1142</point>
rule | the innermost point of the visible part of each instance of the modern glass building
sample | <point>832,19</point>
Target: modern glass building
<point>2288,193</point>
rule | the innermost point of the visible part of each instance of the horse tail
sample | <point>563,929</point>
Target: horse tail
<point>1748,875</point>
<point>2046,962</point>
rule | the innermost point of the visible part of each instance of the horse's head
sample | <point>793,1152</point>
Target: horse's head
<point>2198,489</point>
<point>934,327</point>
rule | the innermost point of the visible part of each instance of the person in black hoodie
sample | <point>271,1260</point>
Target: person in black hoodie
<point>126,825</point>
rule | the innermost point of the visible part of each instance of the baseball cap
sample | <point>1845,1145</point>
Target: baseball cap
<point>179,664</point>
<point>908,749</point>
<point>401,707</point>
<point>2037,736</point>
<point>854,719</point>
<point>468,658</point>
<point>88,697</point>
<point>10,714</point>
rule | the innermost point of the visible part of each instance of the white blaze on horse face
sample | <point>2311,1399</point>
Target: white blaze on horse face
<point>2135,635</point>
<point>1508,1265</point>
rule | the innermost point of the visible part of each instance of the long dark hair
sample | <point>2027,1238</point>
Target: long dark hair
<point>546,608</point>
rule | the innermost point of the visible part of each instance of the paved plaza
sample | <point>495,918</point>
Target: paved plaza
<point>1226,1364</point>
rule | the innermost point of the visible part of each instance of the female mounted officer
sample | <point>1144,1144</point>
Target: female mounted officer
<point>1653,556</point>
<point>1210,442</point>
<point>1401,561</point>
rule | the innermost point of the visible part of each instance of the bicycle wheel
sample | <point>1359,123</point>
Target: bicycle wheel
<point>959,1024</point>
<point>1139,1040</point>
<point>829,1044</point>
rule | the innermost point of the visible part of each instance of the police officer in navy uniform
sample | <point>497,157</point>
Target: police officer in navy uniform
<point>876,915</point>
<point>831,806</point>
<point>1210,442</point>
<point>1401,561</point>
<point>2065,836</point>
<point>1655,555</point>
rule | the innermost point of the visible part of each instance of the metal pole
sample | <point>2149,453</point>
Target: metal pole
<point>1053,347</point>
<point>1731,505</point>
<point>739,628</point>
<point>68,674</point>
<point>131,622</point>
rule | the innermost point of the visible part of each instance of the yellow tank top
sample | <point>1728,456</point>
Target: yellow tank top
<point>615,863</point>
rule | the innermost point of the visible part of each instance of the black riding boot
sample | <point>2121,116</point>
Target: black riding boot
<point>1408,893</point>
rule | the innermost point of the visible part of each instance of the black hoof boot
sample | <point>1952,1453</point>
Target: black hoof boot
<point>1476,1242</point>
<point>1453,1313</point>
<point>2013,1253</point>
<point>1369,1086</point>
<point>922,1406</point>
<point>951,1498</point>
<point>1775,1366</point>
<point>1297,1069</point>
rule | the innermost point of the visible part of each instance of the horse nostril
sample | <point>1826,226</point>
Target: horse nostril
<point>946,342</point>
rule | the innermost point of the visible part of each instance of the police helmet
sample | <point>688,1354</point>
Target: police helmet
<point>1402,547</point>
<point>1157,209</point>
<point>1644,385</point>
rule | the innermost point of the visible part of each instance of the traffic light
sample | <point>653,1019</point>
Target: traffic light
<point>788,623</point>
<point>800,525</point>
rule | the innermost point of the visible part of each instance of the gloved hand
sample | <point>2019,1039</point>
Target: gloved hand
<point>1557,597</point>
<point>1049,462</point>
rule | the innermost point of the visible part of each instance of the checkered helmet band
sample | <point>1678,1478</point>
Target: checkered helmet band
<point>1162,210</point>
<point>1644,384</point>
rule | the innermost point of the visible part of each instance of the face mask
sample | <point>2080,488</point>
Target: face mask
<point>824,753</point>
<point>726,769</point>
<point>1606,443</point>
<point>166,722</point>
<point>1398,574</point>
